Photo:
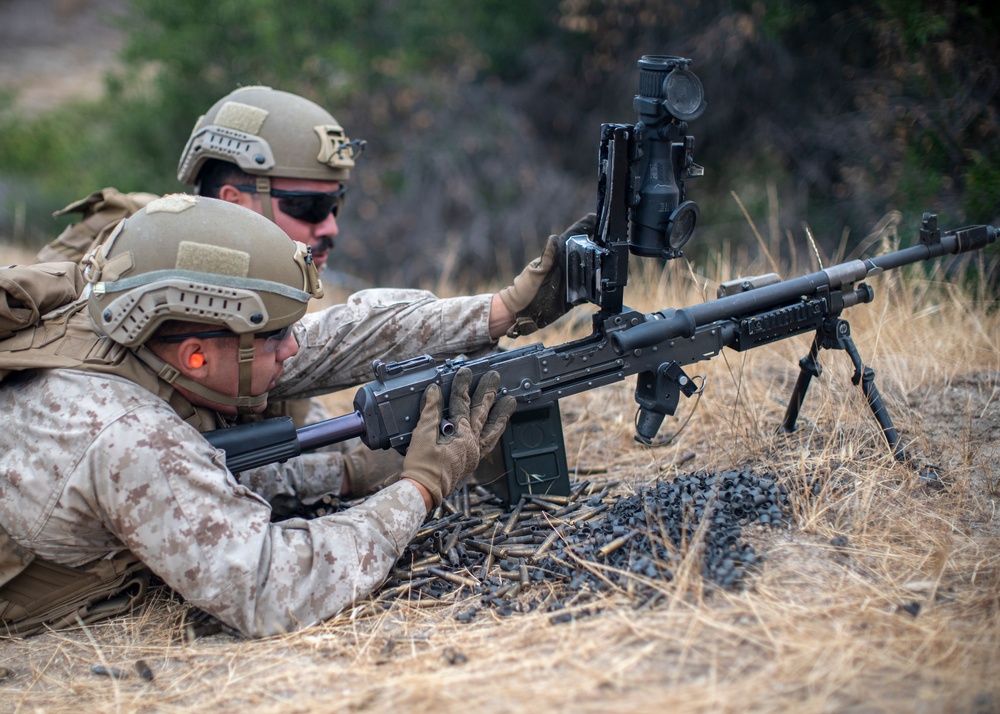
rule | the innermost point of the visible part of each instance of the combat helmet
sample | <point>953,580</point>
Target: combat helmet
<point>199,260</point>
<point>266,133</point>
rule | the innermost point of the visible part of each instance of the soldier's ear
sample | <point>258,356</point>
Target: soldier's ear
<point>231,194</point>
<point>192,358</point>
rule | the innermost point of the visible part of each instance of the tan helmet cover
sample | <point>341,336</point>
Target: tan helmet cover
<point>200,260</point>
<point>267,132</point>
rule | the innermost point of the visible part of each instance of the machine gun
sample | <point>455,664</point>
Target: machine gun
<point>642,209</point>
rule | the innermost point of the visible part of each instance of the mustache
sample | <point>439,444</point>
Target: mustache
<point>324,244</point>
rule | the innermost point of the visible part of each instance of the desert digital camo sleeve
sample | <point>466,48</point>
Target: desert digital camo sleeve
<point>337,344</point>
<point>99,465</point>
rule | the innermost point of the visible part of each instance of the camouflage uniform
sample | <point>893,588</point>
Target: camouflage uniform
<point>98,464</point>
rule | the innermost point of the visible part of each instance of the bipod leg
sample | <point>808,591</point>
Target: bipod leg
<point>809,367</point>
<point>865,377</point>
<point>836,334</point>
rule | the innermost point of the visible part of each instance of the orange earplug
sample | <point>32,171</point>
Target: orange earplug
<point>196,360</point>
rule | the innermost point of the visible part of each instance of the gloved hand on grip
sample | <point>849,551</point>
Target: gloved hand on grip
<point>368,470</point>
<point>538,296</point>
<point>437,461</point>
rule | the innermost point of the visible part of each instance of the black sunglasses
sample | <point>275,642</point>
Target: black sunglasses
<point>308,206</point>
<point>272,338</point>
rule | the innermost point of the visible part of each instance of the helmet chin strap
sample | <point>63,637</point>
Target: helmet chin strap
<point>246,363</point>
<point>171,375</point>
<point>264,191</point>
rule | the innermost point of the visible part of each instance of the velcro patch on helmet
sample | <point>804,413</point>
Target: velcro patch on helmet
<point>241,117</point>
<point>172,203</point>
<point>212,259</point>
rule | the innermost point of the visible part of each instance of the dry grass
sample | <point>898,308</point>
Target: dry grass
<point>884,595</point>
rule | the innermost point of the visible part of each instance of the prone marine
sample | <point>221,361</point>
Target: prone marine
<point>195,311</point>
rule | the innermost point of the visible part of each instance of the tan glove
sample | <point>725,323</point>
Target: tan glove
<point>438,462</point>
<point>368,470</point>
<point>538,296</point>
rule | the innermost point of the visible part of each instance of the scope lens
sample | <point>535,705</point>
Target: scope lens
<point>683,221</point>
<point>685,97</point>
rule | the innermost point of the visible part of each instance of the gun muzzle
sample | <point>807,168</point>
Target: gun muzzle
<point>972,238</point>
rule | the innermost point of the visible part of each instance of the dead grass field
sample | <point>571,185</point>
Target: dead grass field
<point>883,596</point>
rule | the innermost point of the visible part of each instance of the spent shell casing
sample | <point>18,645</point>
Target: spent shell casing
<point>520,540</point>
<point>486,548</point>
<point>567,509</point>
<point>426,602</point>
<point>143,670</point>
<point>541,504</point>
<point>579,488</point>
<point>514,515</point>
<point>427,560</point>
<point>501,590</point>
<point>549,498</point>
<point>547,543</point>
<point>408,573</point>
<point>527,530</point>
<point>520,551</point>
<point>587,515</point>
<point>616,544</point>
<point>407,586</point>
<point>452,539</point>
<point>434,525</point>
<point>481,528</point>
<point>541,520</point>
<point>598,493</point>
<point>454,578</point>
<point>590,470</point>
<point>103,671</point>
<point>466,504</point>
<point>484,572</point>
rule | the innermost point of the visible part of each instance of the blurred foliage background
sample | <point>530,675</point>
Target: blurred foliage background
<point>482,117</point>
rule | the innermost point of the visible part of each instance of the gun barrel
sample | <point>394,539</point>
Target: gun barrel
<point>682,323</point>
<point>961,240</point>
<point>330,431</point>
<point>676,324</point>
<point>250,446</point>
